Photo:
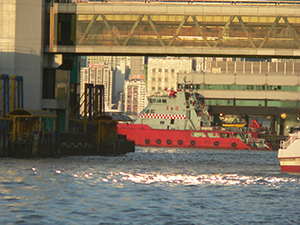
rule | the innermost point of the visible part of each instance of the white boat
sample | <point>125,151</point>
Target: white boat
<point>289,153</point>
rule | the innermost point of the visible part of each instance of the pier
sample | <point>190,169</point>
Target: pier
<point>33,133</point>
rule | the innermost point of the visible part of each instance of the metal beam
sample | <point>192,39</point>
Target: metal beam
<point>177,30</point>
<point>200,30</point>
<point>109,28</point>
<point>87,30</point>
<point>133,29</point>
<point>154,29</point>
<point>224,30</point>
<point>269,31</point>
<point>246,32</point>
<point>296,38</point>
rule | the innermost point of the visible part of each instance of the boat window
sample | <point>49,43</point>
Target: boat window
<point>172,121</point>
<point>213,135</point>
<point>147,111</point>
<point>162,122</point>
<point>158,100</point>
<point>236,135</point>
<point>152,111</point>
<point>225,135</point>
<point>198,134</point>
<point>164,101</point>
<point>150,100</point>
<point>153,100</point>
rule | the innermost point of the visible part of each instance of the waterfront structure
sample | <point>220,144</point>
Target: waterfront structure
<point>135,99</point>
<point>260,29</point>
<point>162,73</point>
<point>39,41</point>
<point>257,88</point>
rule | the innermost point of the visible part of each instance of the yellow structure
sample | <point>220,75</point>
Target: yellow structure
<point>22,124</point>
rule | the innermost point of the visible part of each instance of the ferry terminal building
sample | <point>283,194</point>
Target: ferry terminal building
<point>264,90</point>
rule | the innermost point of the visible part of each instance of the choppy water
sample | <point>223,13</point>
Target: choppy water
<point>150,186</point>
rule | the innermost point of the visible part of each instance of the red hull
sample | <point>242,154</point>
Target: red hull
<point>143,135</point>
<point>290,169</point>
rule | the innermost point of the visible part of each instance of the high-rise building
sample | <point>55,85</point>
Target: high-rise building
<point>111,61</point>
<point>137,64</point>
<point>98,76</point>
<point>135,99</point>
<point>118,86</point>
<point>162,73</point>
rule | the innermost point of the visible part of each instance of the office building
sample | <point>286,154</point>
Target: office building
<point>162,73</point>
<point>269,89</point>
<point>135,99</point>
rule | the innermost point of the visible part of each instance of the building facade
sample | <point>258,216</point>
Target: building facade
<point>118,87</point>
<point>97,76</point>
<point>137,64</point>
<point>162,73</point>
<point>111,61</point>
<point>135,99</point>
<point>251,88</point>
<point>22,41</point>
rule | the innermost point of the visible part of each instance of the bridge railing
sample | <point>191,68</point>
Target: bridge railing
<point>235,2</point>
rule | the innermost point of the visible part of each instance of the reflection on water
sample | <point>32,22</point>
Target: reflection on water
<point>150,186</point>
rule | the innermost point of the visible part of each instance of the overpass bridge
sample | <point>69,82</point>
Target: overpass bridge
<point>158,28</point>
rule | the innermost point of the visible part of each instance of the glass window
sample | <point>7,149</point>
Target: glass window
<point>152,111</point>
<point>213,135</point>
<point>225,135</point>
<point>61,84</point>
<point>49,83</point>
<point>198,134</point>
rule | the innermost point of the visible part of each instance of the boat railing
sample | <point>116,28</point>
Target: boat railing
<point>233,129</point>
<point>285,143</point>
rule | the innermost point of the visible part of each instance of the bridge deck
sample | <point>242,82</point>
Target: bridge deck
<point>175,29</point>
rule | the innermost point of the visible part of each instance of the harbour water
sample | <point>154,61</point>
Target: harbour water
<point>150,186</point>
